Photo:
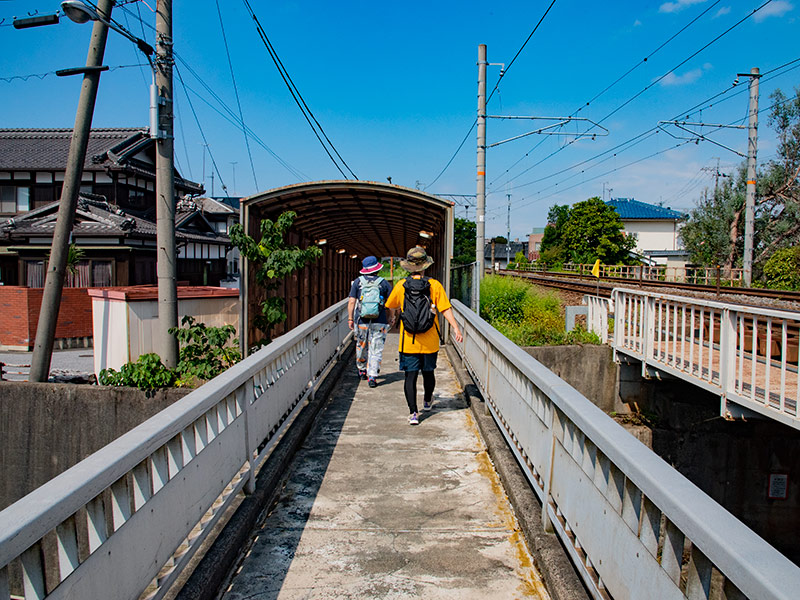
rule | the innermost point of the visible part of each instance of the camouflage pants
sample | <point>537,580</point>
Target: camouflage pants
<point>370,338</point>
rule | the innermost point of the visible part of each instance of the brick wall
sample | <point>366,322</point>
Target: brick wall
<point>19,307</point>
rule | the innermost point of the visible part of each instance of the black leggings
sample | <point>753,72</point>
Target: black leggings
<point>410,388</point>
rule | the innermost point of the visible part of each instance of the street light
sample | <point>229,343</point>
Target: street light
<point>81,13</point>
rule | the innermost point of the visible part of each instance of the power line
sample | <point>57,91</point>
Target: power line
<point>43,75</point>
<point>502,74</point>
<point>236,93</point>
<point>297,96</point>
<point>650,85</point>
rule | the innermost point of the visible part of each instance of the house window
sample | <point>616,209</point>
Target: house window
<point>14,199</point>
<point>34,273</point>
<point>90,273</point>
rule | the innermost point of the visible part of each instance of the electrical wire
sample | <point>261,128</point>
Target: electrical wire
<point>236,93</point>
<point>297,96</point>
<point>43,75</point>
<point>202,133</point>
<point>650,85</point>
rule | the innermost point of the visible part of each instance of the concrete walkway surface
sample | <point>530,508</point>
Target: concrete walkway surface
<point>375,508</point>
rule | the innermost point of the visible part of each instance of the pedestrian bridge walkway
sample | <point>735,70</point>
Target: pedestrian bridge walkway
<point>375,508</point>
<point>408,511</point>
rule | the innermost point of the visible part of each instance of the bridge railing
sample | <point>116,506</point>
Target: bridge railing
<point>635,527</point>
<point>123,522</point>
<point>747,355</point>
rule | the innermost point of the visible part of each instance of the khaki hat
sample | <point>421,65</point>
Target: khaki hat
<point>416,260</point>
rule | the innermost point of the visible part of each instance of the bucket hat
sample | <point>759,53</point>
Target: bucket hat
<point>416,260</point>
<point>370,265</point>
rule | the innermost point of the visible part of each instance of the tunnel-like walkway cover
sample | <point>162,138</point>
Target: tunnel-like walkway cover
<point>348,220</point>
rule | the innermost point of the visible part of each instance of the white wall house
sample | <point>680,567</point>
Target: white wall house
<point>655,229</point>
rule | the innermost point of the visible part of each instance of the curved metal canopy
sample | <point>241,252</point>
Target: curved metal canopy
<point>361,217</point>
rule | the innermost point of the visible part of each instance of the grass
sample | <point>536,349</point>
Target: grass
<point>526,315</point>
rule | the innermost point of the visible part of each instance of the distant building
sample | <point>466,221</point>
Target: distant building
<point>115,219</point>
<point>502,253</point>
<point>655,229</point>
<point>535,243</point>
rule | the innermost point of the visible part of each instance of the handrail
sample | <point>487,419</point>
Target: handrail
<point>223,430</point>
<point>605,493</point>
<point>748,355</point>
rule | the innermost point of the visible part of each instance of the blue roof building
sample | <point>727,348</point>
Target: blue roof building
<point>654,227</point>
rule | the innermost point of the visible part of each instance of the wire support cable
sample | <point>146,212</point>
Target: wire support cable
<point>236,93</point>
<point>298,98</point>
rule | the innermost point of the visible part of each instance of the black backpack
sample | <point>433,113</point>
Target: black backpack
<point>416,315</point>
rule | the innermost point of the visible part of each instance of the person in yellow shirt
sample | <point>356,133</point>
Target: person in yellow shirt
<point>418,299</point>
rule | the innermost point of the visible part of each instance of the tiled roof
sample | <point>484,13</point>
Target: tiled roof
<point>214,206</point>
<point>97,218</point>
<point>47,149</point>
<point>630,209</point>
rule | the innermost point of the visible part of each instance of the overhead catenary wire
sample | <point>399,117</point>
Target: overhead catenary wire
<point>502,74</point>
<point>650,85</point>
<point>298,98</point>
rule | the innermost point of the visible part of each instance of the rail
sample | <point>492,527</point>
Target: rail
<point>131,516</point>
<point>683,274</point>
<point>635,527</point>
<point>747,355</point>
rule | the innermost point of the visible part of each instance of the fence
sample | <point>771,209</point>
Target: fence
<point>684,274</point>
<point>747,355</point>
<point>132,515</point>
<point>635,527</point>
<point>463,284</point>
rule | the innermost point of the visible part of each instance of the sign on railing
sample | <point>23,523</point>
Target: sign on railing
<point>126,520</point>
<point>635,527</point>
<point>747,355</point>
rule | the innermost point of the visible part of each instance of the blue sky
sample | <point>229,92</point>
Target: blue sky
<point>394,86</point>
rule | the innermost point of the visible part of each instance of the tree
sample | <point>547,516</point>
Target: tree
<point>464,234</point>
<point>500,239</point>
<point>594,230</point>
<point>782,270</point>
<point>552,251</point>
<point>273,260</point>
<point>714,231</point>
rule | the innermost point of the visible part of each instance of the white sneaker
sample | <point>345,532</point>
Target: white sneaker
<point>413,420</point>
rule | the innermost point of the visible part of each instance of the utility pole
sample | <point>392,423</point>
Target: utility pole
<point>166,344</point>
<point>750,197</point>
<point>233,166</point>
<point>57,264</point>
<point>508,232</point>
<point>480,209</point>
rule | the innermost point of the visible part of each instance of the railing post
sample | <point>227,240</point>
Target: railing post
<point>717,282</point>
<point>243,395</point>
<point>727,356</point>
<point>547,524</point>
<point>648,330</point>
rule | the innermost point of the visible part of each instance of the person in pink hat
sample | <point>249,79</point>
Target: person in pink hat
<point>367,317</point>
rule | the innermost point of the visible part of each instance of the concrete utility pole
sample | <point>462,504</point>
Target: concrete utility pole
<point>166,344</point>
<point>480,209</point>
<point>750,198</point>
<point>57,264</point>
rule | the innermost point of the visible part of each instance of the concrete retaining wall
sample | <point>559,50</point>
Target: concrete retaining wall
<point>46,428</point>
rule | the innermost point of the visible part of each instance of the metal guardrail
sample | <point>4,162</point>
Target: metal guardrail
<point>127,519</point>
<point>683,274</point>
<point>747,355</point>
<point>635,527</point>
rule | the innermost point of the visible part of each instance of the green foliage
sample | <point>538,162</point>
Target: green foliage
<point>594,230</point>
<point>74,256</point>
<point>526,315</point>
<point>273,259</point>
<point>147,373</point>
<point>782,270</point>
<point>583,233</point>
<point>205,351</point>
<point>520,261</point>
<point>464,236</point>
<point>500,239</point>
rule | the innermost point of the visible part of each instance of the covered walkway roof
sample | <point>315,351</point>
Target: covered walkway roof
<point>356,219</point>
<point>361,217</point>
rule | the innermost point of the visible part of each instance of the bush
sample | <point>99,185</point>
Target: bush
<point>526,315</point>
<point>205,352</point>
<point>782,270</point>
<point>147,373</point>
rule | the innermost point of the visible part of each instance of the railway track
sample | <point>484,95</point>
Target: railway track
<point>603,287</point>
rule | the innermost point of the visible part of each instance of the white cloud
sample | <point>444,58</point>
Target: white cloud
<point>637,23</point>
<point>773,9</point>
<point>686,78</point>
<point>722,11</point>
<point>679,5</point>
